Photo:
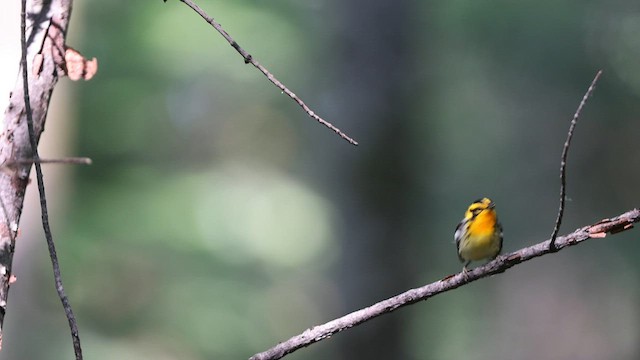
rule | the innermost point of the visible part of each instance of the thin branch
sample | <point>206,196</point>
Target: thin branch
<point>248,59</point>
<point>499,265</point>
<point>563,161</point>
<point>67,160</point>
<point>43,200</point>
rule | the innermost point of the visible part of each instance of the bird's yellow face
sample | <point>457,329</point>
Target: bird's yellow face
<point>484,217</point>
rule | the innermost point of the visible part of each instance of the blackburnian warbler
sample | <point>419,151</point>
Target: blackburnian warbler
<point>479,234</point>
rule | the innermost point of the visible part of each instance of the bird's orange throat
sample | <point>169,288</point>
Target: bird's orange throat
<point>484,223</point>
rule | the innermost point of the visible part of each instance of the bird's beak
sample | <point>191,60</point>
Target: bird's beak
<point>492,205</point>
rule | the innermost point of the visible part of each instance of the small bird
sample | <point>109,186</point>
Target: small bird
<point>479,234</point>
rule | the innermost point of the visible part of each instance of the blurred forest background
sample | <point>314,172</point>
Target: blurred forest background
<point>218,219</point>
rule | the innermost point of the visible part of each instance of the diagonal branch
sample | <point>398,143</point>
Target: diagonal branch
<point>501,264</point>
<point>248,59</point>
<point>563,161</point>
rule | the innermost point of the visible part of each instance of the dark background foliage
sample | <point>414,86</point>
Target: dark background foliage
<point>217,219</point>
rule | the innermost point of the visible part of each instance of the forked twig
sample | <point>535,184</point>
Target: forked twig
<point>500,264</point>
<point>563,161</point>
<point>248,59</point>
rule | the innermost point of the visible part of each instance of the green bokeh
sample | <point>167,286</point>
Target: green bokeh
<point>218,219</point>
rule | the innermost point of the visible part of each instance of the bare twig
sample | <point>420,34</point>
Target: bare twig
<point>563,161</point>
<point>43,200</point>
<point>67,160</point>
<point>248,59</point>
<point>500,264</point>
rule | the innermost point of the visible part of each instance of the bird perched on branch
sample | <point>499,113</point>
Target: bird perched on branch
<point>479,234</point>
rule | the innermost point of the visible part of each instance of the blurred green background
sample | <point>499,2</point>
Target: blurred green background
<point>218,219</point>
